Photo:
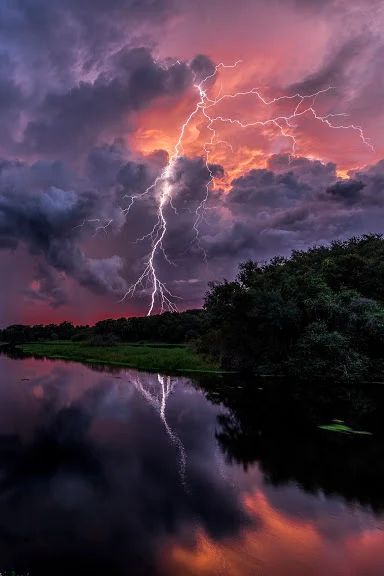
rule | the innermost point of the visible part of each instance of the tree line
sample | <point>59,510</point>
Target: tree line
<point>170,327</point>
<point>318,312</point>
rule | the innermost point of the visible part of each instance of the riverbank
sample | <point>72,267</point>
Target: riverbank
<point>140,356</point>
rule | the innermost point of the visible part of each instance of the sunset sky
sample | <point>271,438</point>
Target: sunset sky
<point>93,97</point>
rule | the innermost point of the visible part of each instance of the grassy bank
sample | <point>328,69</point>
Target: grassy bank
<point>143,357</point>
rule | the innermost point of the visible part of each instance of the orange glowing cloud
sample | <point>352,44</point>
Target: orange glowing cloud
<point>243,143</point>
<point>278,545</point>
<point>269,39</point>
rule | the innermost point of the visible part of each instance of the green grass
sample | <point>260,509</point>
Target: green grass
<point>144,357</point>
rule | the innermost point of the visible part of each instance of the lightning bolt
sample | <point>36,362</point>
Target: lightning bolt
<point>163,187</point>
<point>157,396</point>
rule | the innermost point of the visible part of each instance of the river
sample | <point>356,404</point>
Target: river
<point>120,472</point>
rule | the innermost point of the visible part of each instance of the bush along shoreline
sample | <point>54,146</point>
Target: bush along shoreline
<point>317,314</point>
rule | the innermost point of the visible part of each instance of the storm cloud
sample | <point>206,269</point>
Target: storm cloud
<point>39,209</point>
<point>299,206</point>
<point>92,95</point>
<point>73,120</point>
<point>291,204</point>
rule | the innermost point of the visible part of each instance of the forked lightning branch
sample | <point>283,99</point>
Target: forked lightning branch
<point>163,187</point>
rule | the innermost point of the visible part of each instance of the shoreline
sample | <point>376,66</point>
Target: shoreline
<point>146,357</point>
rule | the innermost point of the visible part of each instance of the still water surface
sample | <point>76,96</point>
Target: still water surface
<point>128,473</point>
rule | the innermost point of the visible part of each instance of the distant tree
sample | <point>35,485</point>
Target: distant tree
<point>170,327</point>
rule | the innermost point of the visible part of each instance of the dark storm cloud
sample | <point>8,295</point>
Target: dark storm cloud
<point>364,190</point>
<point>110,165</point>
<point>298,214</point>
<point>202,68</point>
<point>47,287</point>
<point>293,204</point>
<point>314,173</point>
<point>91,68</point>
<point>237,238</point>
<point>11,99</point>
<point>184,271</point>
<point>134,177</point>
<point>74,74</point>
<point>40,209</point>
<point>57,35</point>
<point>348,191</point>
<point>189,189</point>
<point>190,177</point>
<point>103,162</point>
<point>189,186</point>
<point>70,122</point>
<point>287,182</point>
<point>263,188</point>
<point>70,71</point>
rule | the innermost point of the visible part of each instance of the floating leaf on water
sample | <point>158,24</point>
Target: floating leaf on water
<point>343,428</point>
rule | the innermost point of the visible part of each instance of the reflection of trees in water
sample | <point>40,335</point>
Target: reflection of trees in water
<point>157,391</point>
<point>13,352</point>
<point>276,425</point>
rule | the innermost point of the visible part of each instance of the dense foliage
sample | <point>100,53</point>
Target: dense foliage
<point>319,312</point>
<point>170,327</point>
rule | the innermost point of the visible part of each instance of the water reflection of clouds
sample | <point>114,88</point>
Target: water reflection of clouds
<point>282,545</point>
<point>96,482</point>
<point>89,478</point>
<point>333,518</point>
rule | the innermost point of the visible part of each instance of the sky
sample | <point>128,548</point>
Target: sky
<point>230,130</point>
